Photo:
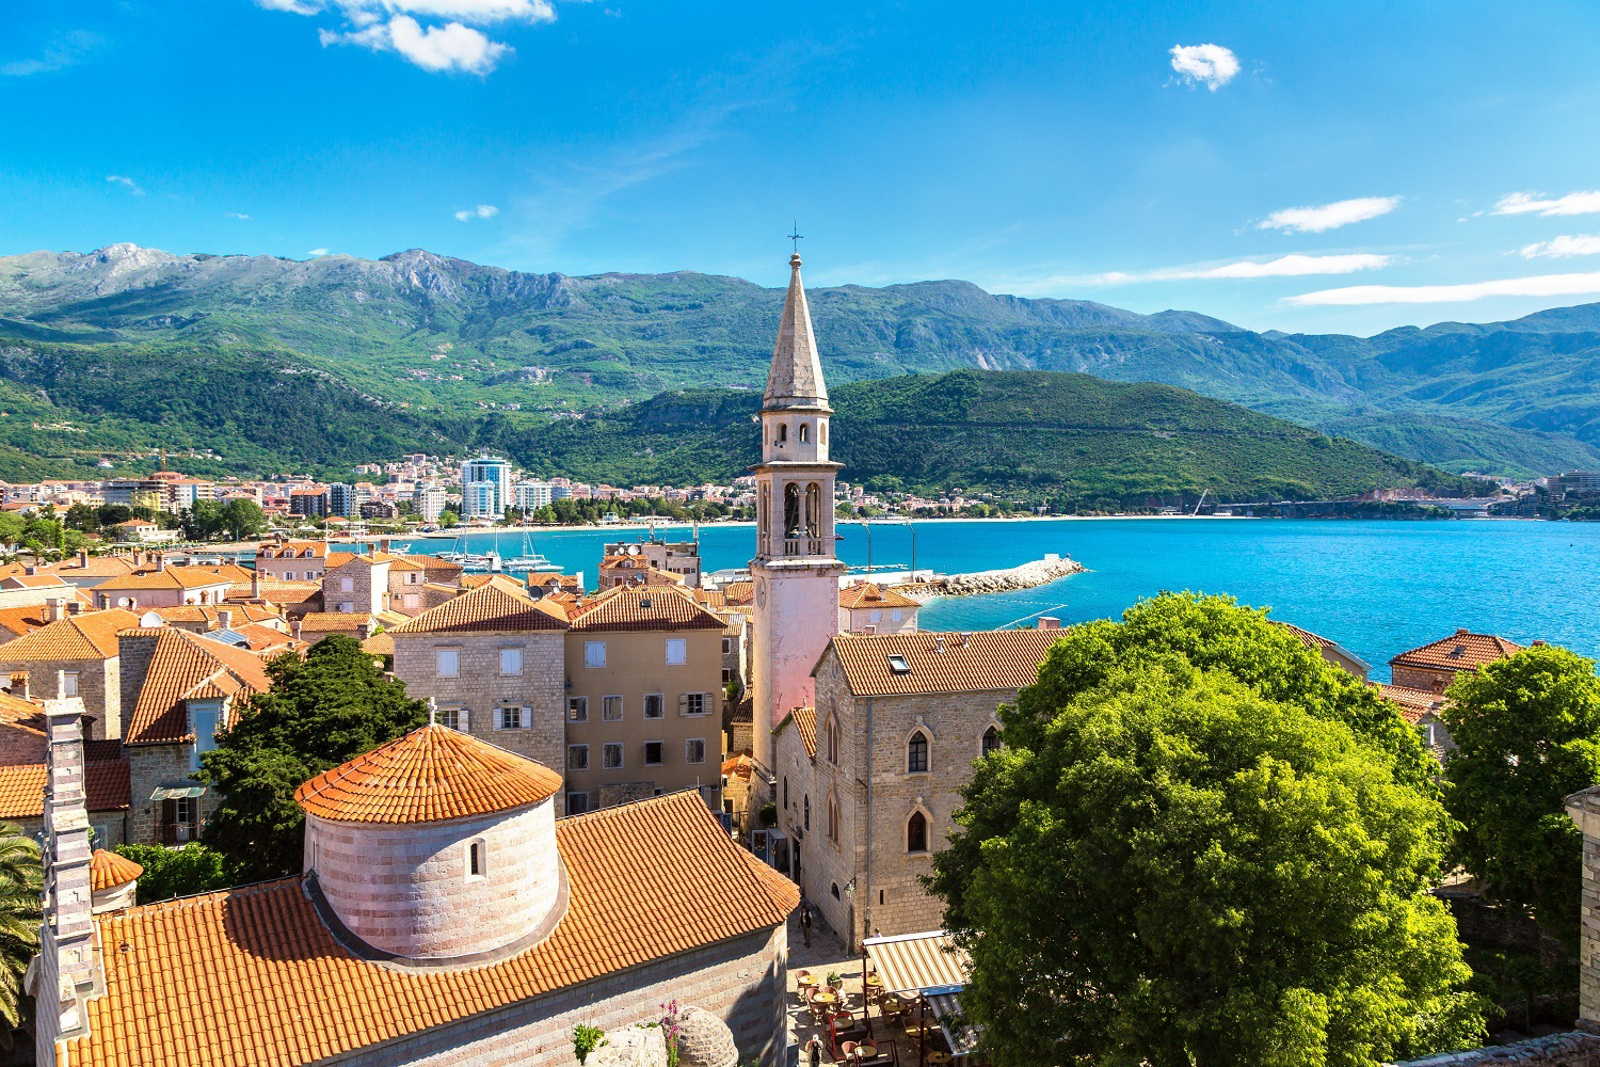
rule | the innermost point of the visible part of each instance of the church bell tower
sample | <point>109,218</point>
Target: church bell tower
<point>795,573</point>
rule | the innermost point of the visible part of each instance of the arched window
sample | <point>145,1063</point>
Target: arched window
<point>833,819</point>
<point>917,753</point>
<point>783,432</point>
<point>805,433</point>
<point>791,510</point>
<point>830,732</point>
<point>991,741</point>
<point>808,811</point>
<point>917,832</point>
<point>813,510</point>
<point>822,433</point>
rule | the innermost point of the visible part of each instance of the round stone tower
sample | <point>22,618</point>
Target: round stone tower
<point>436,847</point>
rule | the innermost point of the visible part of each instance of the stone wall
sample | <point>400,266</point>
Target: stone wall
<point>151,766</point>
<point>368,592</point>
<point>742,981</point>
<point>98,687</point>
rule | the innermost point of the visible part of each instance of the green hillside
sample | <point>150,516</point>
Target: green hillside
<point>1040,436</point>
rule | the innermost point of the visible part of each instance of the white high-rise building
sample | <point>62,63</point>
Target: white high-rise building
<point>485,488</point>
<point>429,501</point>
<point>795,573</point>
<point>531,496</point>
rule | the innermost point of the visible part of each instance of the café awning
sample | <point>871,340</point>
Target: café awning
<point>946,1011</point>
<point>177,792</point>
<point>927,963</point>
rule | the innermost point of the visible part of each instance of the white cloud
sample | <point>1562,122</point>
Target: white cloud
<point>318,252</point>
<point>237,215</point>
<point>481,12</point>
<point>482,211</point>
<point>64,50</point>
<point>1210,65</point>
<point>293,7</point>
<point>127,183</point>
<point>433,48</point>
<point>1537,285</point>
<point>1566,245</point>
<point>1323,217</point>
<point>1291,266</point>
<point>1584,203</point>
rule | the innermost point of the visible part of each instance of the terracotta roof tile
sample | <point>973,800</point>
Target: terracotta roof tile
<point>1414,704</point>
<point>985,659</point>
<point>432,774</point>
<point>22,788</point>
<point>805,721</point>
<point>91,635</point>
<point>739,592</point>
<point>210,613</point>
<point>167,578</point>
<point>97,566</point>
<point>185,666</point>
<point>252,977</point>
<point>107,870</point>
<point>33,581</point>
<point>1465,651</point>
<point>496,607</point>
<point>379,644</point>
<point>334,620</point>
<point>868,595</point>
<point>293,550</point>
<point>630,608</point>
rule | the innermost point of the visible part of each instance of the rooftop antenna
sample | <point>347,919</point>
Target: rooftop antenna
<point>796,236</point>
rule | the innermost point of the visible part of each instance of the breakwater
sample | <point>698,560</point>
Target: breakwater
<point>1027,576</point>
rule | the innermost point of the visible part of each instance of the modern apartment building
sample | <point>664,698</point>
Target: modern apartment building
<point>485,488</point>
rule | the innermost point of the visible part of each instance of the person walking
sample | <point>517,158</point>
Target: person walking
<point>814,1053</point>
<point>805,922</point>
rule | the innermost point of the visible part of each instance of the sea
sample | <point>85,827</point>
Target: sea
<point>1375,587</point>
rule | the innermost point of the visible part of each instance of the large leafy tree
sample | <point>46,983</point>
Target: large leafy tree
<point>21,879</point>
<point>321,711</point>
<point>1189,863</point>
<point>1527,731</point>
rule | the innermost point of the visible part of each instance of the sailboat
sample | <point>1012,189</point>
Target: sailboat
<point>530,560</point>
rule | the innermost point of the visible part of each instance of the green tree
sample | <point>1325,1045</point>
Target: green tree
<point>21,879</point>
<point>176,872</point>
<point>321,711</point>
<point>1527,731</point>
<point>243,518</point>
<point>1194,849</point>
<point>448,518</point>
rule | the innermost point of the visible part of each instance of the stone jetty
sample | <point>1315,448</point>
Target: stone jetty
<point>1027,576</point>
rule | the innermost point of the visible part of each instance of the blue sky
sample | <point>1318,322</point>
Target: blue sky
<point>1143,155</point>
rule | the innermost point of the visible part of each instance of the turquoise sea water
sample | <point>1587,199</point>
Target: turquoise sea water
<point>1377,588</point>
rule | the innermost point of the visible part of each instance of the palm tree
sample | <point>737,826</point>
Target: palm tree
<point>21,879</point>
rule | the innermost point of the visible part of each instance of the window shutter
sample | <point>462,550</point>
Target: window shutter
<point>526,719</point>
<point>683,704</point>
<point>461,720</point>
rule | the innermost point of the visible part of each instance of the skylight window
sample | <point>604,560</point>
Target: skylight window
<point>898,665</point>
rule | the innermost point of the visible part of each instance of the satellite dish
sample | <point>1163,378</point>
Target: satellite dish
<point>151,619</point>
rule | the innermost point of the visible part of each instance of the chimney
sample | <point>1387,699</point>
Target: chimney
<point>294,629</point>
<point>66,976</point>
<point>83,558</point>
<point>32,568</point>
<point>255,585</point>
<point>383,544</point>
<point>938,642</point>
<point>225,618</point>
<point>55,609</point>
<point>104,599</point>
<point>74,607</point>
<point>1462,630</point>
<point>1049,622</point>
<point>19,684</point>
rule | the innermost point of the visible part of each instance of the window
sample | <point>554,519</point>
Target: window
<point>577,757</point>
<point>511,661</point>
<point>677,651</point>
<point>655,753</point>
<point>894,616</point>
<point>655,706</point>
<point>786,792</point>
<point>69,684</point>
<point>808,811</point>
<point>347,585</point>
<point>917,753</point>
<point>452,717</point>
<point>611,755</point>
<point>727,675</point>
<point>346,607</point>
<point>594,653</point>
<point>449,663</point>
<point>410,600</point>
<point>805,433</point>
<point>917,832</point>
<point>876,616</point>
<point>611,709</point>
<point>783,432</point>
<point>577,803</point>
<point>577,709</point>
<point>832,825</point>
<point>477,854</point>
<point>692,704</point>
<point>835,890</point>
<point>822,432</point>
<point>813,510</point>
<point>791,511</point>
<point>511,718</point>
<point>830,732</point>
<point>727,646</point>
<point>991,741</point>
<point>898,665</point>
<point>694,750</point>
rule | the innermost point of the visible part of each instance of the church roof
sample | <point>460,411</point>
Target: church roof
<point>252,976</point>
<point>795,380</point>
<point>107,870</point>
<point>432,774</point>
<point>926,662</point>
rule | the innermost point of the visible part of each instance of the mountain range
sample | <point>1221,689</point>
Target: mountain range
<point>267,362</point>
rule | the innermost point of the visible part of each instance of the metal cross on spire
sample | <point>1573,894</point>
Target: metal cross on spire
<point>796,237</point>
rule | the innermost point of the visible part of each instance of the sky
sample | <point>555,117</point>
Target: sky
<point>1297,166</point>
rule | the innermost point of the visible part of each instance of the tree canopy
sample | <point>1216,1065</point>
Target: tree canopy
<point>1527,731</point>
<point>21,879</point>
<point>1200,847</point>
<point>321,711</point>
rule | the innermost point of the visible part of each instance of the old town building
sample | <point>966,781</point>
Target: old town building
<point>867,608</point>
<point>75,655</point>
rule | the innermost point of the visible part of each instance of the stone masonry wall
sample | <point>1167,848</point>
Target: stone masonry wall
<point>742,982</point>
<point>154,765</point>
<point>98,688</point>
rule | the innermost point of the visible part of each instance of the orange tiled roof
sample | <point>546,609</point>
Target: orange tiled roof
<point>1414,704</point>
<point>31,617</point>
<point>251,976</point>
<point>379,644</point>
<point>167,578</point>
<point>293,550</point>
<point>542,579</point>
<point>738,765</point>
<point>649,576</point>
<point>87,636</point>
<point>805,721</point>
<point>985,659</point>
<point>629,608</point>
<point>107,870</point>
<point>98,566</point>
<point>264,638</point>
<point>278,592</point>
<point>496,607</point>
<point>432,774</point>
<point>185,666</point>
<point>738,592</point>
<point>1465,651</point>
<point>334,620</point>
<point>105,783</point>
<point>868,595</point>
<point>210,613</point>
<point>22,734</point>
<point>32,581</point>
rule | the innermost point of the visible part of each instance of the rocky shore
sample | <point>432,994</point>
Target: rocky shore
<point>1027,576</point>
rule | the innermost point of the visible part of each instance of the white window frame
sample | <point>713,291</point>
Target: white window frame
<point>661,705</point>
<point>606,752</point>
<point>606,705</point>
<point>69,683</point>
<point>514,652</point>
<point>677,651</point>
<point>688,754</point>
<point>347,585</point>
<point>573,750</point>
<point>727,646</point>
<point>687,701</point>
<point>439,655</point>
<point>663,751</point>
<point>594,654</point>
<point>512,717</point>
<point>453,717</point>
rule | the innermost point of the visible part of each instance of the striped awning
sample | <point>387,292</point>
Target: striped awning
<point>946,1010</point>
<point>918,963</point>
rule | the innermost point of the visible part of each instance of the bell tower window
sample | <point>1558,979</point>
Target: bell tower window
<point>783,432</point>
<point>791,511</point>
<point>813,510</point>
<point>805,433</point>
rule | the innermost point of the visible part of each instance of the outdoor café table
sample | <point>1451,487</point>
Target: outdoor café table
<point>936,1057</point>
<point>807,980</point>
<point>826,998</point>
<point>866,1052</point>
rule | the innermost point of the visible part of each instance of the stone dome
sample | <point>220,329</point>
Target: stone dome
<point>705,1040</point>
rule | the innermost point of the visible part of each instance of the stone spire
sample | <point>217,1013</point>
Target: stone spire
<point>795,380</point>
